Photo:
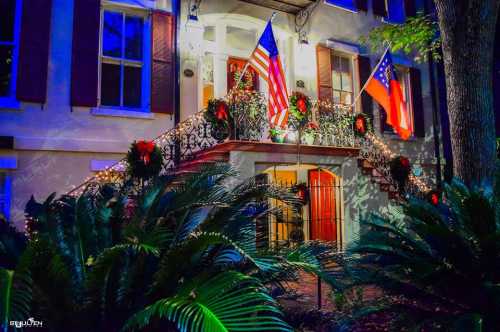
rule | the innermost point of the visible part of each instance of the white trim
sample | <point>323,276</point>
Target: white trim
<point>122,113</point>
<point>64,144</point>
<point>8,162</point>
<point>339,7</point>
<point>341,46</point>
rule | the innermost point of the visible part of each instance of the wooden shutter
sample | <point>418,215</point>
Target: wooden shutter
<point>324,73</point>
<point>365,69</point>
<point>410,9</point>
<point>34,51</point>
<point>163,64</point>
<point>417,102</point>
<point>362,5</point>
<point>379,8</point>
<point>85,53</point>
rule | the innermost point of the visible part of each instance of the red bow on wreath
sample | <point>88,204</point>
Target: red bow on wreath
<point>221,112</point>
<point>301,105</point>
<point>145,149</point>
<point>405,162</point>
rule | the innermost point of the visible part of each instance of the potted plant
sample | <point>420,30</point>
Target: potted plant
<point>219,117</point>
<point>309,133</point>
<point>277,134</point>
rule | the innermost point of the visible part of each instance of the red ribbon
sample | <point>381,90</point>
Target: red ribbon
<point>301,105</point>
<point>145,149</point>
<point>360,125</point>
<point>221,112</point>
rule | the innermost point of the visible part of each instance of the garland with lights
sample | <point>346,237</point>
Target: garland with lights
<point>110,173</point>
<point>144,160</point>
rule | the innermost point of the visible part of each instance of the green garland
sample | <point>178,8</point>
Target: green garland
<point>300,108</point>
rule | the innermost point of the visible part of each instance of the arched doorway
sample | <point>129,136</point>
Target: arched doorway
<point>323,207</point>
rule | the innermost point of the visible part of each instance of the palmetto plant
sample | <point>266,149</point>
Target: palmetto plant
<point>174,254</point>
<point>440,264</point>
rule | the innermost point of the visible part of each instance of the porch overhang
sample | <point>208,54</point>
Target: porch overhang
<point>221,152</point>
<point>287,6</point>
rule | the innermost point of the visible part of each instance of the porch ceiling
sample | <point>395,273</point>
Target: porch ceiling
<point>287,6</point>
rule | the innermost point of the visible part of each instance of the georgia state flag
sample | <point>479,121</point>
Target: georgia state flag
<point>384,87</point>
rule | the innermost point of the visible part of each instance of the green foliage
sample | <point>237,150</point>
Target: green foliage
<point>418,37</point>
<point>230,301</point>
<point>441,263</point>
<point>181,250</point>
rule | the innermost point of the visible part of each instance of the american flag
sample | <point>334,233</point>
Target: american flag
<point>266,61</point>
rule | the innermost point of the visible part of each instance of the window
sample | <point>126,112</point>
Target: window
<point>342,79</point>
<point>403,76</point>
<point>122,60</point>
<point>208,78</point>
<point>4,195</point>
<point>8,47</point>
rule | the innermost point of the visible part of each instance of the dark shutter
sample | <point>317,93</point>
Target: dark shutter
<point>34,51</point>
<point>379,8</point>
<point>410,9</point>
<point>365,70</point>
<point>324,73</point>
<point>163,65</point>
<point>384,127</point>
<point>85,53</point>
<point>417,102</point>
<point>362,5</point>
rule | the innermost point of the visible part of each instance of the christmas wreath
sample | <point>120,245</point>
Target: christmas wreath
<point>144,160</point>
<point>400,169</point>
<point>434,197</point>
<point>218,115</point>
<point>361,125</point>
<point>300,109</point>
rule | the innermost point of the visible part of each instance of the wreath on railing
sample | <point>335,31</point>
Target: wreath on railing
<point>434,197</point>
<point>144,160</point>
<point>361,125</point>
<point>400,168</point>
<point>300,107</point>
<point>219,117</point>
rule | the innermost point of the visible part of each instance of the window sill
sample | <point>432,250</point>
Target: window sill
<point>9,104</point>
<point>122,113</point>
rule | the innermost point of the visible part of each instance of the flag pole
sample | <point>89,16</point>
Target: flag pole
<point>369,78</point>
<point>273,15</point>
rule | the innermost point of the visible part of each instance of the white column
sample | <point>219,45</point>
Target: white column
<point>191,57</point>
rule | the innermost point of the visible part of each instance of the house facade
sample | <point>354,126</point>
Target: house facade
<point>122,70</point>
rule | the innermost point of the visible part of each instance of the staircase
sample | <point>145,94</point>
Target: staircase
<point>385,183</point>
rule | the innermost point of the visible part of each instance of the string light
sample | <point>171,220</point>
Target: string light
<point>114,172</point>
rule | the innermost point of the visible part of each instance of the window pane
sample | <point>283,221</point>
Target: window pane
<point>112,34</point>
<point>7,10</point>
<point>5,69</point>
<point>346,98</point>
<point>347,82</point>
<point>336,97</point>
<point>336,63</point>
<point>132,87</point>
<point>110,85</point>
<point>133,37</point>
<point>209,33</point>
<point>240,38</point>
<point>336,81</point>
<point>345,65</point>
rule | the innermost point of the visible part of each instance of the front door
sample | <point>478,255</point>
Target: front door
<point>322,207</point>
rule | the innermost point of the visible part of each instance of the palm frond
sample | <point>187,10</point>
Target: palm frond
<point>229,301</point>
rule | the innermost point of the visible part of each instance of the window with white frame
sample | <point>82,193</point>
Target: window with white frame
<point>342,78</point>
<point>8,46</point>
<point>4,195</point>
<point>122,59</point>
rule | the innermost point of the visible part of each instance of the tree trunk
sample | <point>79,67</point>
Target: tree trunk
<point>468,34</point>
